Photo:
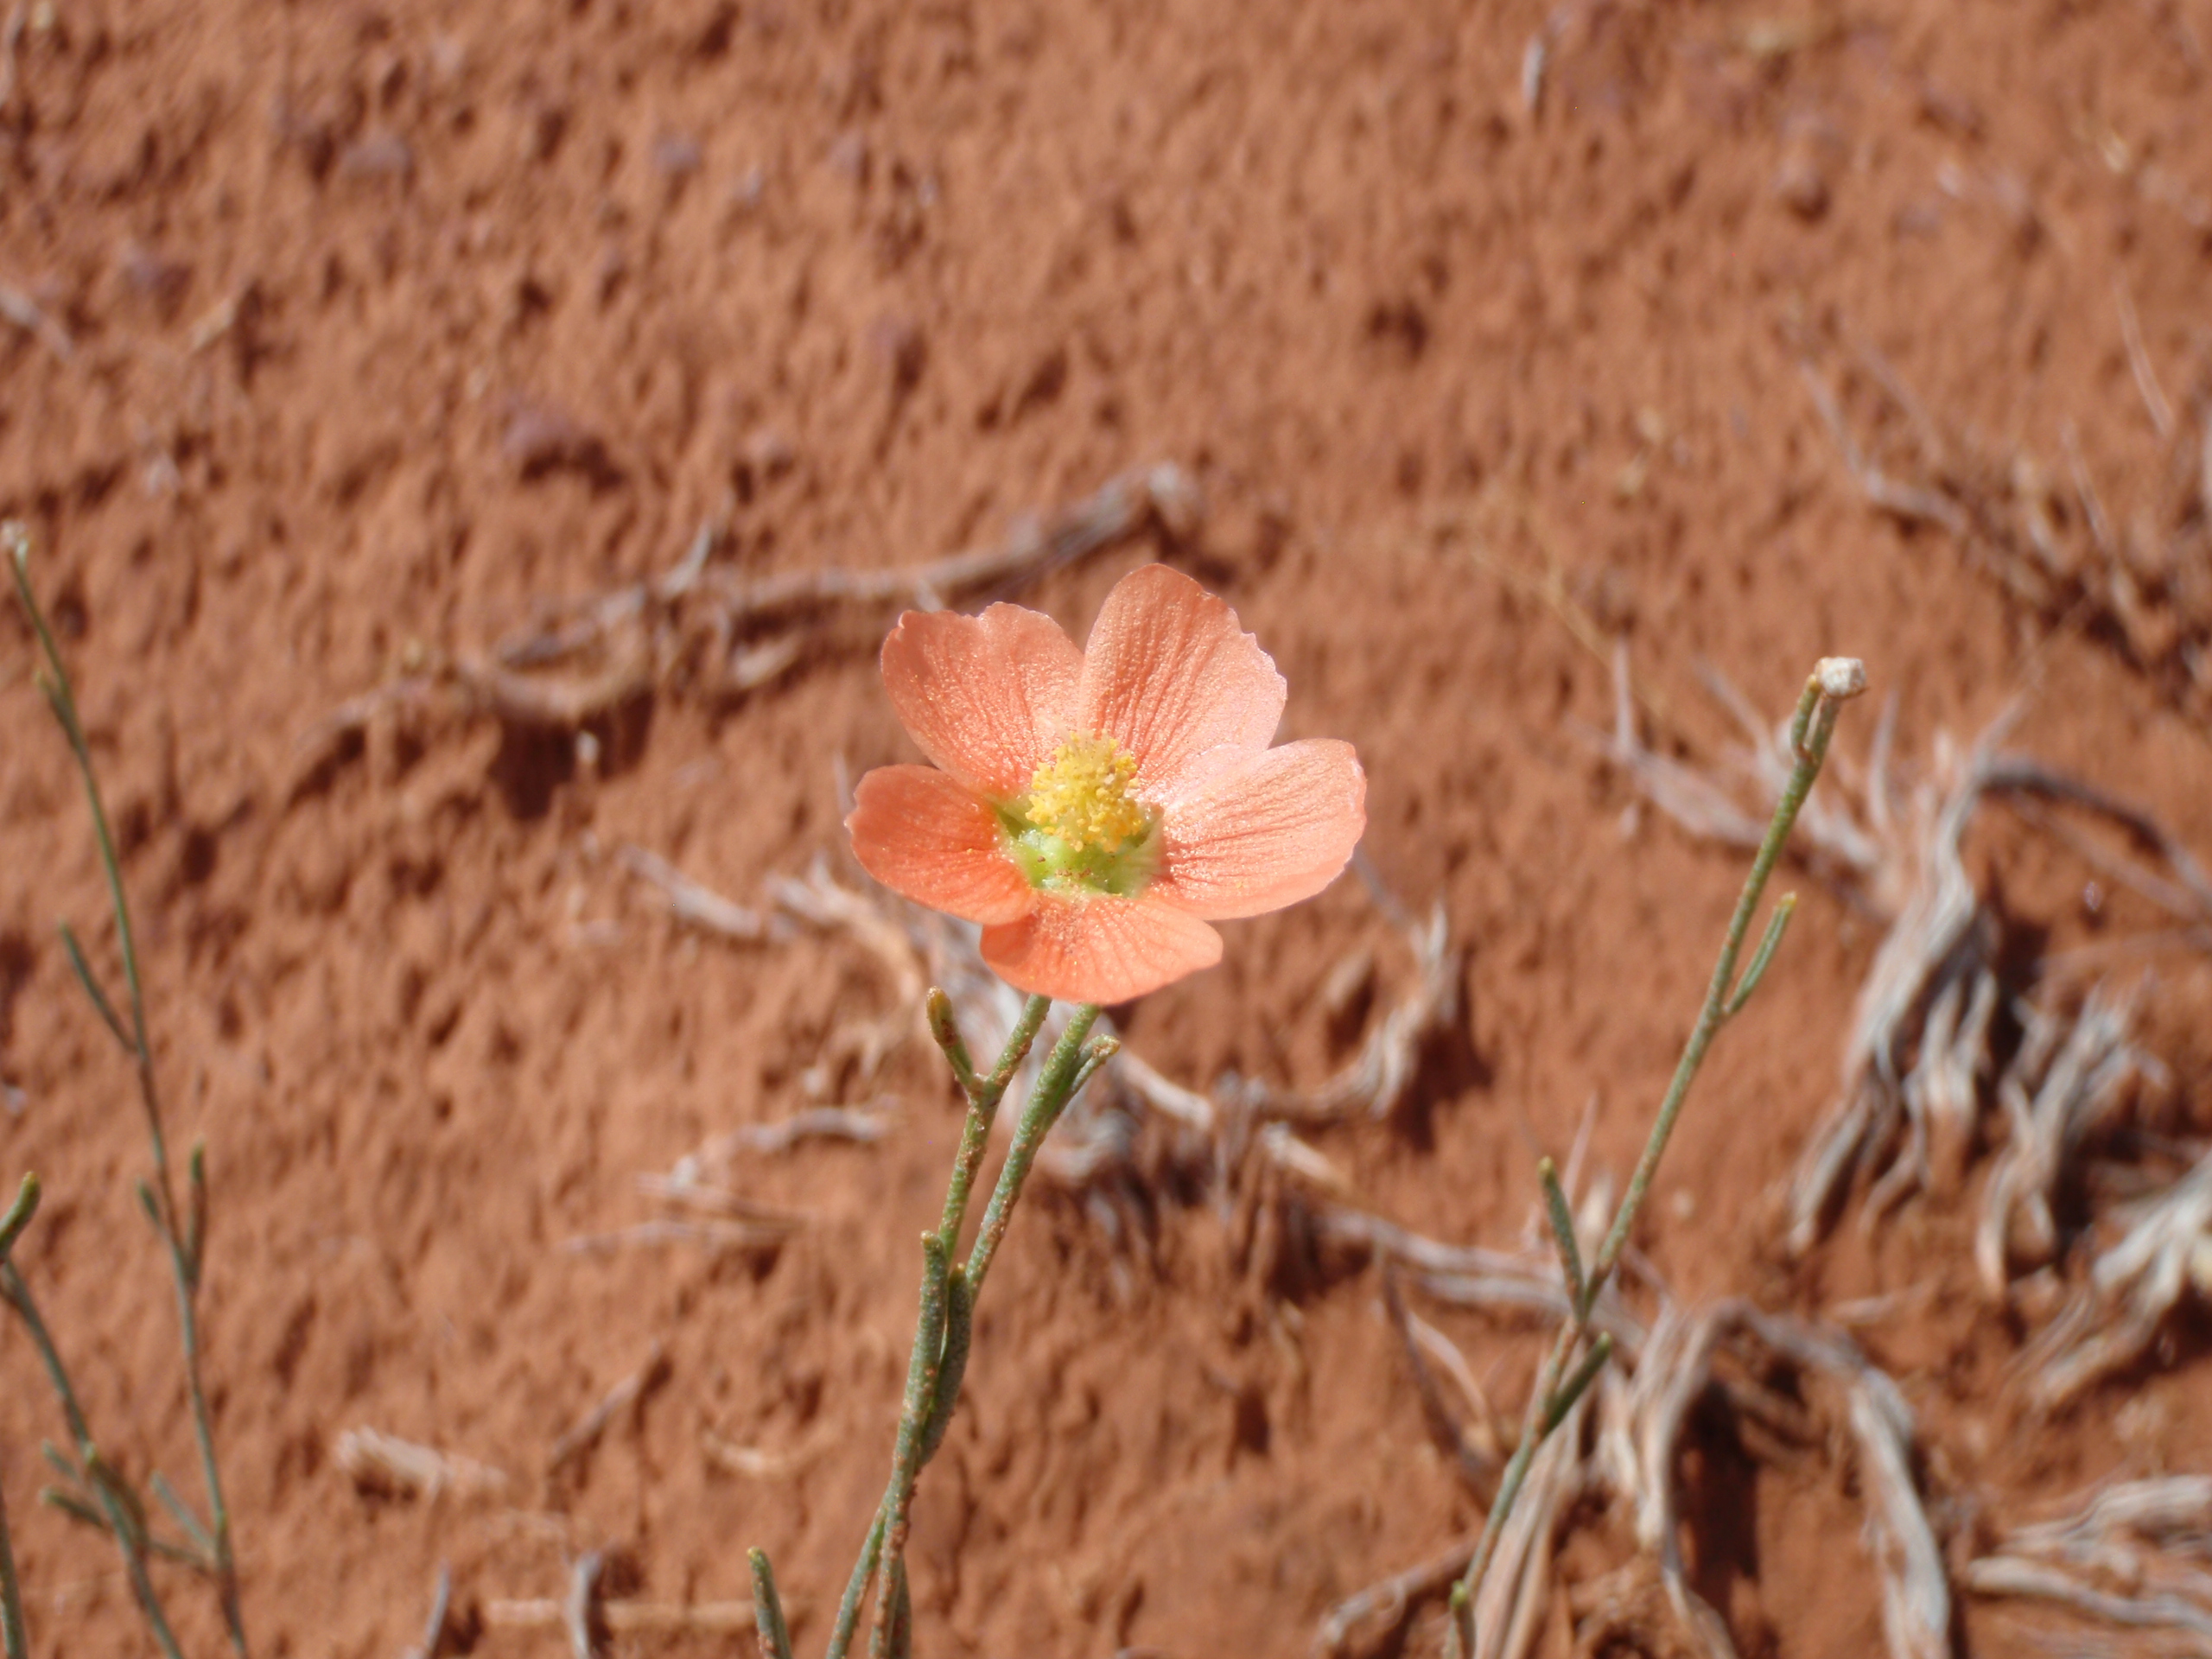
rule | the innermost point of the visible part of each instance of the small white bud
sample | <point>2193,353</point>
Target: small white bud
<point>1840,677</point>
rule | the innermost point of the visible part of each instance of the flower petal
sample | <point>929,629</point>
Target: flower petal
<point>986,697</point>
<point>1100,949</point>
<point>1169,674</point>
<point>1266,833</point>
<point>915,830</point>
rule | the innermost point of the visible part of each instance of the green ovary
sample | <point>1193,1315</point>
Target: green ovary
<point>1081,828</point>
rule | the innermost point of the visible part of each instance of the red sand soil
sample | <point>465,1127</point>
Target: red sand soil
<point>370,330</point>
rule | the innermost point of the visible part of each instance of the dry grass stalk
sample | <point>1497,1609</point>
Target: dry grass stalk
<point>383,1464</point>
<point>1642,1418</point>
<point>1525,1281</point>
<point>684,1186</point>
<point>2127,1557</point>
<point>1510,1608</point>
<point>691,903</point>
<point>625,1393</point>
<point>437,1633</point>
<point>1366,1622</point>
<point>1377,1077</point>
<point>2093,1063</point>
<point>1917,1076</point>
<point>2134,1288</point>
<point>2057,551</point>
<point>627,1618</point>
<point>715,1236</point>
<point>1097,1138</point>
<point>1478,1454</point>
<point>1917,1070</point>
<point>1675,1368</point>
<point>1940,944</point>
<point>702,621</point>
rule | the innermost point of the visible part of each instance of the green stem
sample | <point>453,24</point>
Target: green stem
<point>122,1525</point>
<point>184,1246</point>
<point>945,1325</point>
<point>983,1094</point>
<point>768,1610</point>
<point>1066,1070</point>
<point>1834,682</point>
<point>13,1638</point>
<point>849,1610</point>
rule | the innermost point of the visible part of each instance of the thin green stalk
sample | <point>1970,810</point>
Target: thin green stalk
<point>1069,1066</point>
<point>1833,682</point>
<point>13,1640</point>
<point>983,1094</point>
<point>1561,1216</point>
<point>183,1242</point>
<point>849,1609</point>
<point>768,1610</point>
<point>54,680</point>
<point>123,1523</point>
<point>922,1371</point>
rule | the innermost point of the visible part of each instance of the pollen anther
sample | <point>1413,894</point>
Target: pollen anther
<point>1083,796</point>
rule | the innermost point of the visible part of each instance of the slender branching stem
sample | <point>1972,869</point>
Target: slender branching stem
<point>182,1239</point>
<point>124,1524</point>
<point>983,1096</point>
<point>1562,1380</point>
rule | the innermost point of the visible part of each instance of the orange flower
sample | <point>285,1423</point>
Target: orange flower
<point>1097,808</point>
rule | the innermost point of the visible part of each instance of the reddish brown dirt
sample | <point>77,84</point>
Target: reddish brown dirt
<point>516,295</point>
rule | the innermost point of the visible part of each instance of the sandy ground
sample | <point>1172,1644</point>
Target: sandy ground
<point>345,342</point>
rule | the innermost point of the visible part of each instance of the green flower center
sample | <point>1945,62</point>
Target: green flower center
<point>1081,828</point>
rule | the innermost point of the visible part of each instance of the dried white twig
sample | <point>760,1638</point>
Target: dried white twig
<point>1361,1623</point>
<point>2138,361</point>
<point>624,1394</point>
<point>1378,1076</point>
<point>1677,1366</point>
<point>715,1236</point>
<point>377,1462</point>
<point>861,1123</point>
<point>626,1618</point>
<point>689,901</point>
<point>580,1611</point>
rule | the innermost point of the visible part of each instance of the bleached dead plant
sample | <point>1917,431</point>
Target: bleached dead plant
<point>2162,1259</point>
<point>2138,1555</point>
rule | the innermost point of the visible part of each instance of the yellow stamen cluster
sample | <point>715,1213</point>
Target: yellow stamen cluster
<point>1082,797</point>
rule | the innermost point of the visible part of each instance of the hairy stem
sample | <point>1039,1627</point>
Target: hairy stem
<point>944,1323</point>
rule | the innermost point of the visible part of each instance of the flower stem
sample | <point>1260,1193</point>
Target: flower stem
<point>1562,1380</point>
<point>945,1324</point>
